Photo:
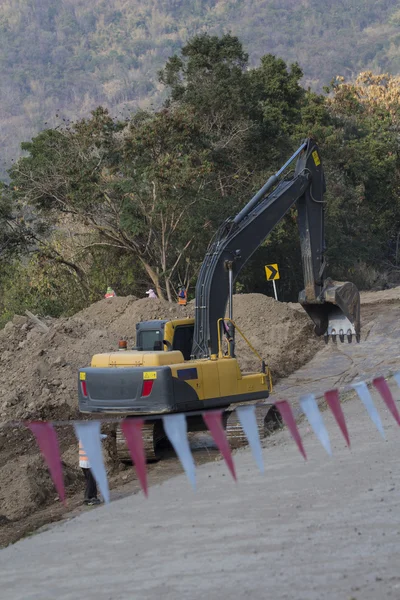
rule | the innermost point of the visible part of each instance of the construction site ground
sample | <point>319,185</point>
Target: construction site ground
<point>297,523</point>
<point>38,378</point>
<point>325,529</point>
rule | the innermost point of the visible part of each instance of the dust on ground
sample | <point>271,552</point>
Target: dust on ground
<point>38,373</point>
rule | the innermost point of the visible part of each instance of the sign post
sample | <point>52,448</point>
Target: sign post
<point>272,274</point>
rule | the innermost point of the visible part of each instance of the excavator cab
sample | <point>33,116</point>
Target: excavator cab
<point>165,335</point>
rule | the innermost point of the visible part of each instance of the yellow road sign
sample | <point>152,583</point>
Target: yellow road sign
<point>272,272</point>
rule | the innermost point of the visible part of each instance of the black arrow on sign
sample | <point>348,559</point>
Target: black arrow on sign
<point>273,271</point>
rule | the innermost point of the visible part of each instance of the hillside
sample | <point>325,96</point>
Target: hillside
<point>61,58</point>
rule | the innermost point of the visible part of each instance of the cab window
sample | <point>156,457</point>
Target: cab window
<point>150,339</point>
<point>183,340</point>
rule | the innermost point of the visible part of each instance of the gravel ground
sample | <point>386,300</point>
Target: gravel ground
<point>328,528</point>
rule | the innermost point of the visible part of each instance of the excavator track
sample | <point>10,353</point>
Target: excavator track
<point>153,433</point>
<point>268,419</point>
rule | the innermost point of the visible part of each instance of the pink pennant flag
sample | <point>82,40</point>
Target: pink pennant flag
<point>384,390</point>
<point>333,401</point>
<point>132,430</point>
<point>47,441</point>
<point>287,415</point>
<point>213,420</point>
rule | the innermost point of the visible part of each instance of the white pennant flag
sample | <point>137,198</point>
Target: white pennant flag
<point>89,435</point>
<point>366,398</point>
<point>397,378</point>
<point>310,408</point>
<point>248,421</point>
<point>176,429</point>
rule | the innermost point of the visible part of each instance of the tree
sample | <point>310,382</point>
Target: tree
<point>14,233</point>
<point>210,76</point>
<point>139,187</point>
<point>355,125</point>
<point>248,114</point>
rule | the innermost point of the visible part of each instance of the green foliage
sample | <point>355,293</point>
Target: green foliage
<point>132,203</point>
<point>38,286</point>
<point>48,287</point>
<point>209,75</point>
<point>137,187</point>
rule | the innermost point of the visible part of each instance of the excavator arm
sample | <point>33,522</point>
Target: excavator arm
<point>334,309</point>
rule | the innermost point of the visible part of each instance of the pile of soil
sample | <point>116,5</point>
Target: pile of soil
<point>38,376</point>
<point>38,370</point>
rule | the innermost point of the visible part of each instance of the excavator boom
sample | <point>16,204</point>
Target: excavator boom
<point>332,308</point>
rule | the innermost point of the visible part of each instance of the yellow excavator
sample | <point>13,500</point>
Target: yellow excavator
<point>188,365</point>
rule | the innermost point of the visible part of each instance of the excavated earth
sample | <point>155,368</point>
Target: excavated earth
<point>38,378</point>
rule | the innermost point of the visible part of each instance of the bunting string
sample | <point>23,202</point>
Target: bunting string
<point>175,426</point>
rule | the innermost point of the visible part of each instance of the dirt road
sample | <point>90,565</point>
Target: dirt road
<point>325,529</point>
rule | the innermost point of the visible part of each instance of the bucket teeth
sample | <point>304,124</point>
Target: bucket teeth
<point>335,311</point>
<point>342,336</point>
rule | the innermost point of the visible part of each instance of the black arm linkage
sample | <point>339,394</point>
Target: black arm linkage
<point>238,239</point>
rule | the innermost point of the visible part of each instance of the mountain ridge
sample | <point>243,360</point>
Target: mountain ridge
<point>59,59</point>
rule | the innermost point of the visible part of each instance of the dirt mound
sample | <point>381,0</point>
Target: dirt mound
<point>38,375</point>
<point>124,321</point>
<point>106,311</point>
<point>29,486</point>
<point>284,337</point>
<point>38,370</point>
<point>385,296</point>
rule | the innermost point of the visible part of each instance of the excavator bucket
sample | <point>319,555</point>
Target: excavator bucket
<point>336,311</point>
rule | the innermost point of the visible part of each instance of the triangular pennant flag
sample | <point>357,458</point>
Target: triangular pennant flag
<point>366,398</point>
<point>384,390</point>
<point>397,378</point>
<point>213,420</point>
<point>132,430</point>
<point>310,408</point>
<point>176,429</point>
<point>89,435</point>
<point>287,416</point>
<point>248,421</point>
<point>333,401</point>
<point>47,441</point>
